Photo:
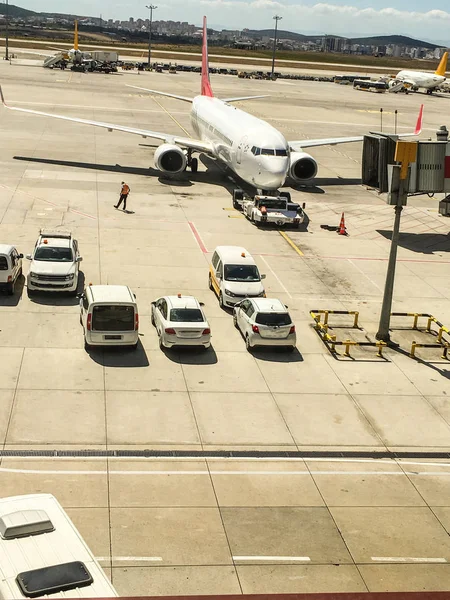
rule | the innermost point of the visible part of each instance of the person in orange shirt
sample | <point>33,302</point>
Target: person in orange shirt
<point>123,196</point>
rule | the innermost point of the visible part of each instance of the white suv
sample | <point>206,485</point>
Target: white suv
<point>265,322</point>
<point>55,263</point>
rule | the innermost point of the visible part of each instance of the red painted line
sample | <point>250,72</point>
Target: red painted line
<point>82,213</point>
<point>197,237</point>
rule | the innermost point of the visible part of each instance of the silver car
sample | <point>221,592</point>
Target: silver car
<point>265,322</point>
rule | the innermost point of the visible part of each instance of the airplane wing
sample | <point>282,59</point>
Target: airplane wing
<point>299,145</point>
<point>169,138</point>
<point>187,99</point>
<point>240,98</point>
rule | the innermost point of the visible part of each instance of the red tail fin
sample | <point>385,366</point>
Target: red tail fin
<point>206,85</point>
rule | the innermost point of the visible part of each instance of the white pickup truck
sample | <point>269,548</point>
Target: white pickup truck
<point>275,210</point>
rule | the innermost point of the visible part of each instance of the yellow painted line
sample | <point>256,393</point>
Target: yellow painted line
<point>172,117</point>
<point>70,77</point>
<point>291,243</point>
<point>363,110</point>
<point>236,217</point>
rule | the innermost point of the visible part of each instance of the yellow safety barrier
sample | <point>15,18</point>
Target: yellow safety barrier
<point>416,316</point>
<point>443,345</point>
<point>330,340</point>
<point>316,315</point>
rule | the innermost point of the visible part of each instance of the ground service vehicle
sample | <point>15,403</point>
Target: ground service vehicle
<point>275,210</point>
<point>265,322</point>
<point>55,263</point>
<point>109,316</point>
<point>233,275</point>
<point>10,267</point>
<point>180,321</point>
<point>42,553</point>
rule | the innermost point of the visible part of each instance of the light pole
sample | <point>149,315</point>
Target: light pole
<point>151,8</point>
<point>277,18</point>
<point>7,32</point>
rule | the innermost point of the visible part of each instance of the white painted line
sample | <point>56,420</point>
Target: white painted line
<point>276,276</point>
<point>205,472</point>
<point>131,558</point>
<point>405,559</point>
<point>273,558</point>
<point>365,275</point>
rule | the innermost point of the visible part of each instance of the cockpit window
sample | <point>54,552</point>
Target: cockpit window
<point>268,151</point>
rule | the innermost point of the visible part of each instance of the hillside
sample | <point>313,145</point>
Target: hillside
<point>381,40</point>
<point>401,40</point>
<point>17,11</point>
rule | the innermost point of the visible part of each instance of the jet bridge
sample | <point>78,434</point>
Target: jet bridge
<point>429,174</point>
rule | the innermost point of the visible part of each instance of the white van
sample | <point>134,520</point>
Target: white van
<point>233,275</point>
<point>42,553</point>
<point>10,267</point>
<point>109,315</point>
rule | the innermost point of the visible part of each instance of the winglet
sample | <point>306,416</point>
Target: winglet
<point>418,128</point>
<point>442,68</point>
<point>206,89</point>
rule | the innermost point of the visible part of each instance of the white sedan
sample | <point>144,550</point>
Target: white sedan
<point>265,322</point>
<point>180,321</point>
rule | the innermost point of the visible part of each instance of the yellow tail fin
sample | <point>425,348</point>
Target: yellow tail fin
<point>442,68</point>
<point>75,37</point>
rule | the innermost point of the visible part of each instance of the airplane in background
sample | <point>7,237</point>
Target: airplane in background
<point>74,55</point>
<point>406,80</point>
<point>257,152</point>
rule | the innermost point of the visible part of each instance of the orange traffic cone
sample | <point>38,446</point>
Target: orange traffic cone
<point>342,229</point>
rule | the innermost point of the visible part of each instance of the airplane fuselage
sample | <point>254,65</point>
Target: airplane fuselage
<point>249,146</point>
<point>421,79</point>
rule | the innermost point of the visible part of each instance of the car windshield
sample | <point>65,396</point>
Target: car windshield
<point>113,318</point>
<point>241,273</point>
<point>274,319</point>
<point>281,204</point>
<point>186,315</point>
<point>51,253</point>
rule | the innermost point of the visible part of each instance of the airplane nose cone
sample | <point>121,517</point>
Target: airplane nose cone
<point>270,180</point>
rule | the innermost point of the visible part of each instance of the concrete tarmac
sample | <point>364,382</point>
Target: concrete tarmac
<point>199,524</point>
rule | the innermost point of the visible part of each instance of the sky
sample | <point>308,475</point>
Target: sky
<point>415,18</point>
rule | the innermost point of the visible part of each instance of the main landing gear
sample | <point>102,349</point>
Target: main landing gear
<point>192,163</point>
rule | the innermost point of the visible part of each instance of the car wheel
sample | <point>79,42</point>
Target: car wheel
<point>221,304</point>
<point>210,285</point>
<point>153,320</point>
<point>194,165</point>
<point>11,287</point>
<point>247,344</point>
<point>235,323</point>
<point>161,345</point>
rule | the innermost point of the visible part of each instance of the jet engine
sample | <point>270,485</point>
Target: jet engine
<point>170,158</point>
<point>303,166</point>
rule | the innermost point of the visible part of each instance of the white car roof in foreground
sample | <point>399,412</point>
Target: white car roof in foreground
<point>182,302</point>
<point>269,305</point>
<point>111,293</point>
<point>5,248</point>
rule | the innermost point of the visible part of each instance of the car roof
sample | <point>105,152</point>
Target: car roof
<point>5,248</point>
<point>235,254</point>
<point>111,293</point>
<point>267,305</point>
<point>55,242</point>
<point>182,302</point>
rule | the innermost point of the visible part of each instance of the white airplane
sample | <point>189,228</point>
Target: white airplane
<point>257,152</point>
<point>74,55</point>
<point>420,79</point>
